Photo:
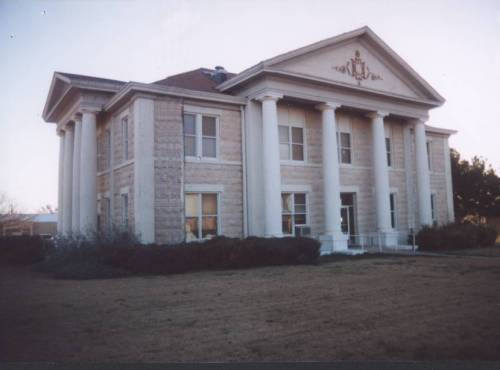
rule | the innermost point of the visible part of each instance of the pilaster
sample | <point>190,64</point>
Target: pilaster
<point>144,182</point>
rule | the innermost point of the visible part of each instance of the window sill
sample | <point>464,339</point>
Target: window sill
<point>201,159</point>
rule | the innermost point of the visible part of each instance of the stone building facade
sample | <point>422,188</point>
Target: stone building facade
<point>328,141</point>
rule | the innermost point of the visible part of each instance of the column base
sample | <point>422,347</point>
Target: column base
<point>336,243</point>
<point>388,239</point>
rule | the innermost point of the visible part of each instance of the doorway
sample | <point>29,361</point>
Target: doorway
<point>348,215</point>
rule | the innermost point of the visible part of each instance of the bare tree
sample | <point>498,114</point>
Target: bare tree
<point>7,205</point>
<point>47,209</point>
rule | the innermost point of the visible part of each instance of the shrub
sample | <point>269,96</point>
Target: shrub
<point>486,235</point>
<point>23,250</point>
<point>114,256</point>
<point>217,253</point>
<point>428,238</point>
<point>76,257</point>
<point>456,236</point>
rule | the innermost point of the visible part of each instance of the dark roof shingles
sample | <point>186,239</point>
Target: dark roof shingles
<point>199,79</point>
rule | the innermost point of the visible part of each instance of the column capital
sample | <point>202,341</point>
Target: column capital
<point>268,95</point>
<point>91,110</point>
<point>377,114</point>
<point>77,117</point>
<point>328,105</point>
<point>416,121</point>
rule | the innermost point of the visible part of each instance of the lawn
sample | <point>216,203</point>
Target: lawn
<point>384,308</point>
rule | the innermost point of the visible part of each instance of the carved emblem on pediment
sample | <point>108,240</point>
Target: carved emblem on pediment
<point>357,68</point>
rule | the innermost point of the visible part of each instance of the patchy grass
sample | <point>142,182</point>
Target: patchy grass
<point>378,308</point>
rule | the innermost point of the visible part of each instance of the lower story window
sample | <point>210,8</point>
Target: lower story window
<point>294,211</point>
<point>433,208</point>
<point>392,198</point>
<point>201,216</point>
<point>125,221</point>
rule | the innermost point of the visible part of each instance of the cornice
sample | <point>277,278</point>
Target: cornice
<point>328,105</point>
<point>156,89</point>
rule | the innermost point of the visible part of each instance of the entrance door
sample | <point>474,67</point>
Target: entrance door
<point>348,219</point>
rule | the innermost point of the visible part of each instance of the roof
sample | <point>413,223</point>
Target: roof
<point>74,76</point>
<point>45,217</point>
<point>198,79</point>
<point>439,130</point>
<point>29,217</point>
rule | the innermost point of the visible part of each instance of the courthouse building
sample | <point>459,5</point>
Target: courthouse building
<point>329,140</point>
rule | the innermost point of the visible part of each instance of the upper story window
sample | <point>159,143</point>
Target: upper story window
<point>388,151</point>
<point>344,147</point>
<point>291,143</point>
<point>429,152</point>
<point>108,148</point>
<point>294,211</point>
<point>125,137</point>
<point>200,136</point>
<point>201,215</point>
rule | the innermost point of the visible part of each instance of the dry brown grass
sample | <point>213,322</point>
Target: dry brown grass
<point>386,308</point>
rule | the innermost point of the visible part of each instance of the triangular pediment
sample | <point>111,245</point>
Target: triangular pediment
<point>353,63</point>
<point>357,58</point>
<point>58,88</point>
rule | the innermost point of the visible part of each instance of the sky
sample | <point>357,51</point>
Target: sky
<point>454,45</point>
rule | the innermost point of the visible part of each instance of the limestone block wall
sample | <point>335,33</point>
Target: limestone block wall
<point>169,168</point>
<point>438,176</point>
<point>226,170</point>
<point>173,172</point>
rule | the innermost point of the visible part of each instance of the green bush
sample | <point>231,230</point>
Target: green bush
<point>455,236</point>
<point>23,250</point>
<point>76,258</point>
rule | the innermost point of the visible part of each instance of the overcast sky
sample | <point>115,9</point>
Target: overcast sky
<point>454,45</point>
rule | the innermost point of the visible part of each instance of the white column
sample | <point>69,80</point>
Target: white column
<point>271,165</point>
<point>333,239</point>
<point>423,177</point>
<point>75,218</point>
<point>381,178</point>
<point>68,178</point>
<point>144,179</point>
<point>60,191</point>
<point>88,174</point>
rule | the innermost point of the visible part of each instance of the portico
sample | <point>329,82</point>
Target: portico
<point>332,238</point>
<point>78,174</point>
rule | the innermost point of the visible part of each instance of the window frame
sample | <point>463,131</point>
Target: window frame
<point>428,148</point>
<point>198,119</point>
<point>393,209</point>
<point>107,210</point>
<point>125,137</point>
<point>293,212</point>
<point>340,147</point>
<point>108,147</point>
<point>200,214</point>
<point>125,219</point>
<point>433,208</point>
<point>290,143</point>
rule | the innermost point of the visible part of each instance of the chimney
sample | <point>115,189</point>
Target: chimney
<point>219,75</point>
